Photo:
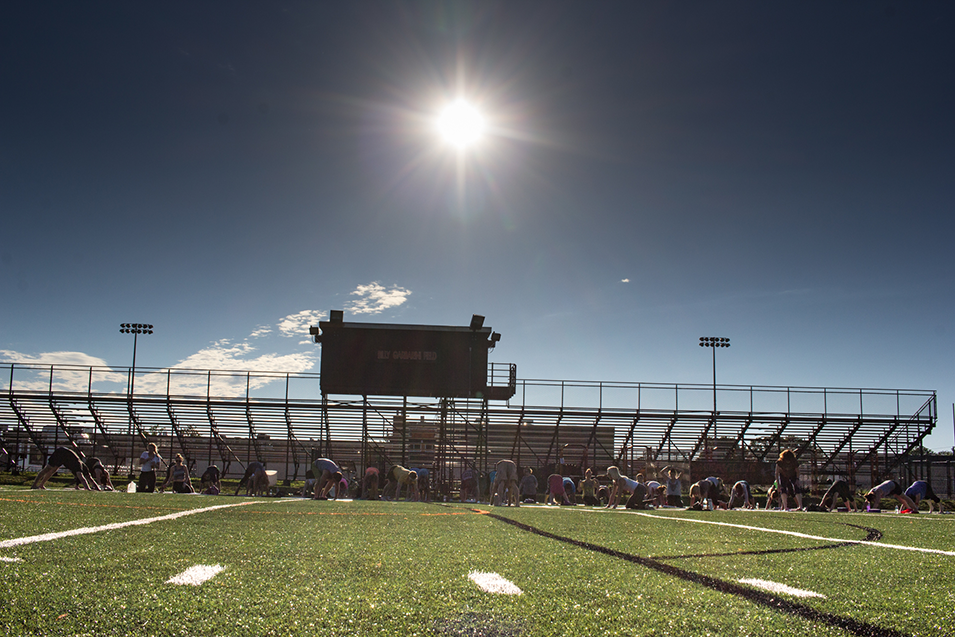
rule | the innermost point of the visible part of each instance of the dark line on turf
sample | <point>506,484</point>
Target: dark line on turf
<point>873,534</point>
<point>766,552</point>
<point>854,626</point>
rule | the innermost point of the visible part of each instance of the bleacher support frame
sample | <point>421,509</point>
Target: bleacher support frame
<point>642,426</point>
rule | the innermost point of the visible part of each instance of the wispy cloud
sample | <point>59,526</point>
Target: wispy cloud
<point>224,354</point>
<point>375,298</point>
<point>229,360</point>
<point>52,358</point>
<point>297,324</point>
<point>70,371</point>
<point>625,280</point>
<point>260,331</point>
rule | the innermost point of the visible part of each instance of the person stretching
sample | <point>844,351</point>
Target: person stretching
<point>588,487</point>
<point>327,475</point>
<point>399,476</point>
<point>922,490</point>
<point>65,457</point>
<point>889,489</point>
<point>178,475</point>
<point>621,485</point>
<point>256,479</point>
<point>839,489</point>
<point>369,485</point>
<point>505,481</point>
<point>740,496</point>
<point>99,473</point>
<point>211,481</point>
<point>555,490</point>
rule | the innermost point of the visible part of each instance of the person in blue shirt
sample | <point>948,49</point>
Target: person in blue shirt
<point>424,483</point>
<point>889,489</point>
<point>570,489</point>
<point>922,490</point>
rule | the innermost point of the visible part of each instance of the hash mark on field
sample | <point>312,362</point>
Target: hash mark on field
<point>196,575</point>
<point>10,559</point>
<point>776,587</point>
<point>493,583</point>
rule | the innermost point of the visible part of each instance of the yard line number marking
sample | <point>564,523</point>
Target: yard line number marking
<point>795,534</point>
<point>494,583</point>
<point>196,575</point>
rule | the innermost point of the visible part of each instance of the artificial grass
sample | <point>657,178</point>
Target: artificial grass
<point>377,568</point>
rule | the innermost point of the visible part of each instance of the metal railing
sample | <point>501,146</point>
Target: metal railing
<point>237,416</point>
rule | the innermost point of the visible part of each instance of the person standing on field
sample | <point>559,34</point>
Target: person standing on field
<point>149,463</point>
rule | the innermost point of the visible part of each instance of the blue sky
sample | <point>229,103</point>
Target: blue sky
<point>781,174</point>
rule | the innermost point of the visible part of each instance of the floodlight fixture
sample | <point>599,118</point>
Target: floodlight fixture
<point>135,329</point>
<point>477,322</point>
<point>714,342</point>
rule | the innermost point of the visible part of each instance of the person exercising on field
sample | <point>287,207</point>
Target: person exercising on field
<point>65,457</point>
<point>889,489</point>
<point>839,489</point>
<point>922,490</point>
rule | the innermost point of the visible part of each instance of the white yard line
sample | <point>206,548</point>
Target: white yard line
<point>776,587</point>
<point>795,534</point>
<point>10,559</point>
<point>493,583</point>
<point>48,537</point>
<point>196,575</point>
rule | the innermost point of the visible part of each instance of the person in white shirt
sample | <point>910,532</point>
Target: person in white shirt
<point>149,462</point>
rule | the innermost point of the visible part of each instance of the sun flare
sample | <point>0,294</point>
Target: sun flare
<point>461,125</point>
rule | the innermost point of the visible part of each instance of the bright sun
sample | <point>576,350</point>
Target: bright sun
<point>461,125</point>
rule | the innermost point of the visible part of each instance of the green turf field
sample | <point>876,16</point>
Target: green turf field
<point>301,567</point>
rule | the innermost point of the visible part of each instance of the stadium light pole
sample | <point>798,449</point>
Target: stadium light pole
<point>714,342</point>
<point>135,329</point>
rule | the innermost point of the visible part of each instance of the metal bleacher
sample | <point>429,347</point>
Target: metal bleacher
<point>231,418</point>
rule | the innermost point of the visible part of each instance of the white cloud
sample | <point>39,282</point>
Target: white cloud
<point>223,355</point>
<point>229,361</point>
<point>70,371</point>
<point>260,331</point>
<point>298,324</point>
<point>52,358</point>
<point>625,280</point>
<point>374,298</point>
